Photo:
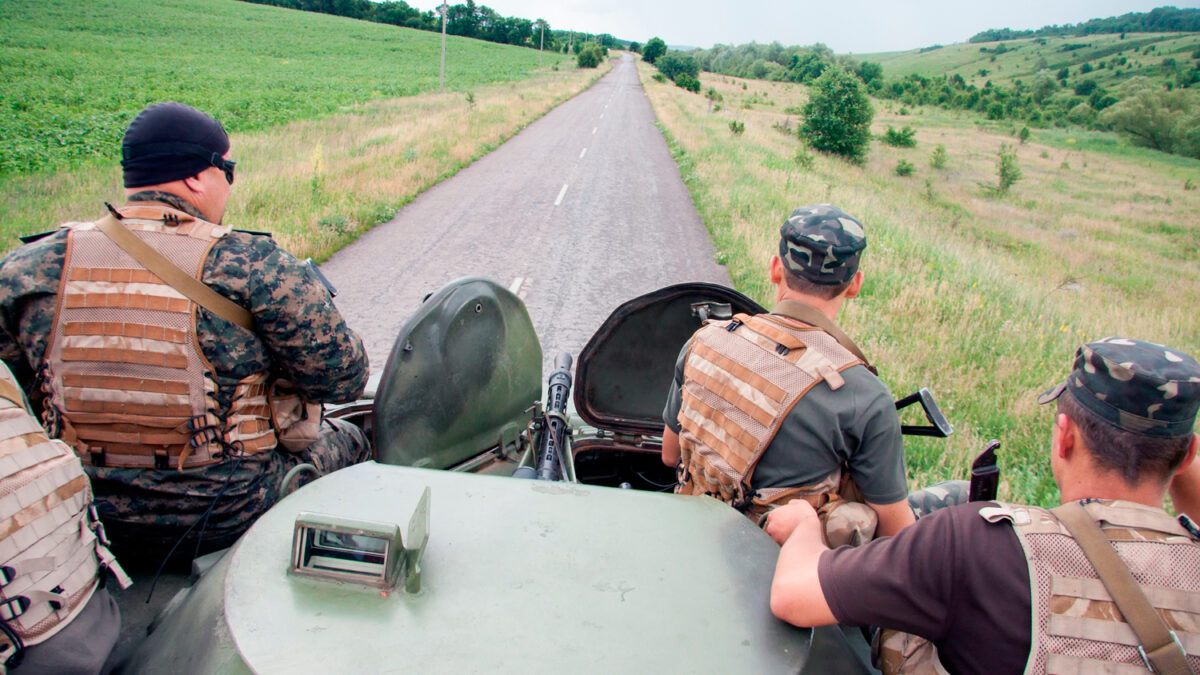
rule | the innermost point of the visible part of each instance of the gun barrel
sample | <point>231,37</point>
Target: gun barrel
<point>554,432</point>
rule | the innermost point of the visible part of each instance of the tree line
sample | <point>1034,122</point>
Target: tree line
<point>1158,20</point>
<point>466,20</point>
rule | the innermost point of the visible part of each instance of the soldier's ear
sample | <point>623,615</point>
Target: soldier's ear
<point>1062,437</point>
<point>855,286</point>
<point>775,268</point>
<point>1191,453</point>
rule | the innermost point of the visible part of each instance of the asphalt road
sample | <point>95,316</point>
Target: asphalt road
<point>582,210</point>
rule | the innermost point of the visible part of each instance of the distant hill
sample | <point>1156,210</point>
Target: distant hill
<point>1107,59</point>
<point>1158,20</point>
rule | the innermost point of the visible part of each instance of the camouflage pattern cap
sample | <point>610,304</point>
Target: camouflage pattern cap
<point>1136,386</point>
<point>822,243</point>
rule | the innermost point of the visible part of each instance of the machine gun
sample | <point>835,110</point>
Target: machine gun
<point>551,457</point>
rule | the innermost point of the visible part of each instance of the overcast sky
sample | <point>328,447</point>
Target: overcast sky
<point>858,26</point>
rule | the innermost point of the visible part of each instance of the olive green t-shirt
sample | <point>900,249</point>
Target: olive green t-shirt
<point>855,425</point>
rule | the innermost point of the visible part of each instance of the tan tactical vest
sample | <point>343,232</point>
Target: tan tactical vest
<point>52,549</point>
<point>741,379</point>
<point>1077,628</point>
<point>127,383</point>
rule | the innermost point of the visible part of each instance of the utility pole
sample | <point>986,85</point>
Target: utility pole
<point>442,79</point>
<point>541,44</point>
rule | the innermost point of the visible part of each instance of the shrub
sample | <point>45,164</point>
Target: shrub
<point>688,82</point>
<point>904,168</point>
<point>837,117</point>
<point>737,127</point>
<point>905,138</point>
<point>590,56</point>
<point>659,77</point>
<point>1023,135</point>
<point>674,64</point>
<point>1189,184</point>
<point>937,158</point>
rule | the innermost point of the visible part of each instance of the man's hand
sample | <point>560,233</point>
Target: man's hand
<point>796,595</point>
<point>786,519</point>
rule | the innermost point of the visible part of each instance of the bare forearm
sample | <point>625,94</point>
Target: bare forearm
<point>670,447</point>
<point>893,517</point>
<point>796,595</point>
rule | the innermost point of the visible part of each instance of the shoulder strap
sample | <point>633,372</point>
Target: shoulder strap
<point>12,392</point>
<point>1160,646</point>
<point>813,317</point>
<point>194,289</point>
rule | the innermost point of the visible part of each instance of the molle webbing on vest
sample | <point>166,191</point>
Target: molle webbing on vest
<point>126,376</point>
<point>1077,627</point>
<point>741,379</point>
<point>50,559</point>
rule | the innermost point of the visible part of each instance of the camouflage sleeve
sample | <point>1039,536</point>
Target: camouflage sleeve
<point>675,392</point>
<point>29,279</point>
<point>307,339</point>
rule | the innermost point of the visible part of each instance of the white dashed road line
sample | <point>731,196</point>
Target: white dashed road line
<point>561,193</point>
<point>582,153</point>
<point>515,286</point>
<point>594,130</point>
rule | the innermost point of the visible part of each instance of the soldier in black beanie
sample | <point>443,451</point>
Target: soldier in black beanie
<point>167,393</point>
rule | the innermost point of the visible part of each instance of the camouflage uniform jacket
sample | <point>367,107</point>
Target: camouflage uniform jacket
<point>299,336</point>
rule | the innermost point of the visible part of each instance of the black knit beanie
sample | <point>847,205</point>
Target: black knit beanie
<point>168,142</point>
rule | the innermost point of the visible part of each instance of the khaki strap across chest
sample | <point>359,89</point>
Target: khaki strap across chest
<point>194,289</point>
<point>1159,645</point>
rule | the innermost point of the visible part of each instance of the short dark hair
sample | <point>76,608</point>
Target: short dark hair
<point>823,291</point>
<point>1136,457</point>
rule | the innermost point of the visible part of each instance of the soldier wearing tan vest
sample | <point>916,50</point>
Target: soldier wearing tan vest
<point>55,614</point>
<point>769,408</point>
<point>1108,582</point>
<point>151,337</point>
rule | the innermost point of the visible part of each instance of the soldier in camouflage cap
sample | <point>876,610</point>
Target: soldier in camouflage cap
<point>1136,386</point>
<point>835,441</point>
<point>822,244</point>
<point>98,374</point>
<point>1006,588</point>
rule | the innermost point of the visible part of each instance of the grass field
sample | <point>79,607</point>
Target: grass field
<point>1143,54</point>
<point>329,130</point>
<point>73,73</point>
<point>983,299</point>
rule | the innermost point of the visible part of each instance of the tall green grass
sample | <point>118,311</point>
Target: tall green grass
<point>73,73</point>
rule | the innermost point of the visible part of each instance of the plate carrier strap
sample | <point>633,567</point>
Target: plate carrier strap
<point>126,381</point>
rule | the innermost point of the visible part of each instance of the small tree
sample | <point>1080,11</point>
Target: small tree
<point>905,138</point>
<point>1023,135</point>
<point>674,64</point>
<point>635,47</point>
<point>904,168</point>
<point>590,56</point>
<point>654,48</point>
<point>1008,172</point>
<point>937,158</point>
<point>837,117</point>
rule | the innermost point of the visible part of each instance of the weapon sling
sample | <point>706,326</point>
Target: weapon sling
<point>1159,646</point>
<point>191,287</point>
